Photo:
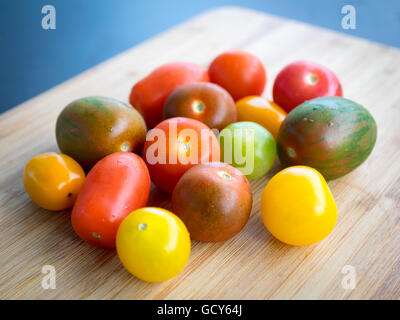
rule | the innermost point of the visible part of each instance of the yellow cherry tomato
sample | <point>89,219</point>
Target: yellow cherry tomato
<point>53,180</point>
<point>297,206</point>
<point>153,244</point>
<point>262,111</point>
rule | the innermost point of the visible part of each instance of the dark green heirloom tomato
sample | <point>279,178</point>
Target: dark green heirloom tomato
<point>331,134</point>
<point>91,128</point>
<point>248,147</point>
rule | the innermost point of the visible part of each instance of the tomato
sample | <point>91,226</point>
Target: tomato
<point>53,180</point>
<point>240,73</point>
<point>176,145</point>
<point>90,128</point>
<point>153,244</point>
<point>301,81</point>
<point>262,111</point>
<point>214,201</point>
<point>206,102</point>
<point>149,94</point>
<point>249,147</point>
<point>297,206</point>
<point>116,185</point>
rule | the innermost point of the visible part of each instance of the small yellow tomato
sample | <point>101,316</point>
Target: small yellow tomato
<point>153,244</point>
<point>297,206</point>
<point>262,111</point>
<point>53,180</point>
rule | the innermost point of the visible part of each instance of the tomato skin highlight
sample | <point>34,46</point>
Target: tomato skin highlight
<point>238,72</point>
<point>149,94</point>
<point>301,81</point>
<point>166,175</point>
<point>116,185</point>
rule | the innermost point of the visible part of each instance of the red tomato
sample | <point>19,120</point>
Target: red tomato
<point>176,145</point>
<point>116,185</point>
<point>240,73</point>
<point>149,94</point>
<point>301,81</point>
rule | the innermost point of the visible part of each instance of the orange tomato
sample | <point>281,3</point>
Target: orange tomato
<point>53,180</point>
<point>238,72</point>
<point>176,145</point>
<point>262,111</point>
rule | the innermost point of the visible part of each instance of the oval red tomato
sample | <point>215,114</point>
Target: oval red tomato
<point>149,94</point>
<point>116,185</point>
<point>238,72</point>
<point>301,81</point>
<point>176,145</point>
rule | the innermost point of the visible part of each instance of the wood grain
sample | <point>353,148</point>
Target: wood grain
<point>252,265</point>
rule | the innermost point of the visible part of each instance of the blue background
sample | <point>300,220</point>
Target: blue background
<point>33,60</point>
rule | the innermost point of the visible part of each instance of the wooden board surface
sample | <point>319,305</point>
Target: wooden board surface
<point>252,265</point>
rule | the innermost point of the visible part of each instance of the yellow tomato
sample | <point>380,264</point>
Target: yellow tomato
<point>153,244</point>
<point>297,206</point>
<point>262,111</point>
<point>53,180</point>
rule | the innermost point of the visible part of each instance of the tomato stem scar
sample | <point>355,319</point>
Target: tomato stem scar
<point>198,106</point>
<point>142,226</point>
<point>224,175</point>
<point>291,152</point>
<point>311,78</point>
<point>125,146</point>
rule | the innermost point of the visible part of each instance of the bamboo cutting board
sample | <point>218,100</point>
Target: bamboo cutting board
<point>252,265</point>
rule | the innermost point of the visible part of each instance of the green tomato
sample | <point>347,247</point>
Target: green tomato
<point>248,147</point>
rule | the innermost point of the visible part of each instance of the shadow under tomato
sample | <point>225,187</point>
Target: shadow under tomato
<point>159,198</point>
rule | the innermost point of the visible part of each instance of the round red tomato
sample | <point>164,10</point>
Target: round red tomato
<point>176,145</point>
<point>301,81</point>
<point>238,72</point>
<point>149,94</point>
<point>206,102</point>
<point>117,185</point>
